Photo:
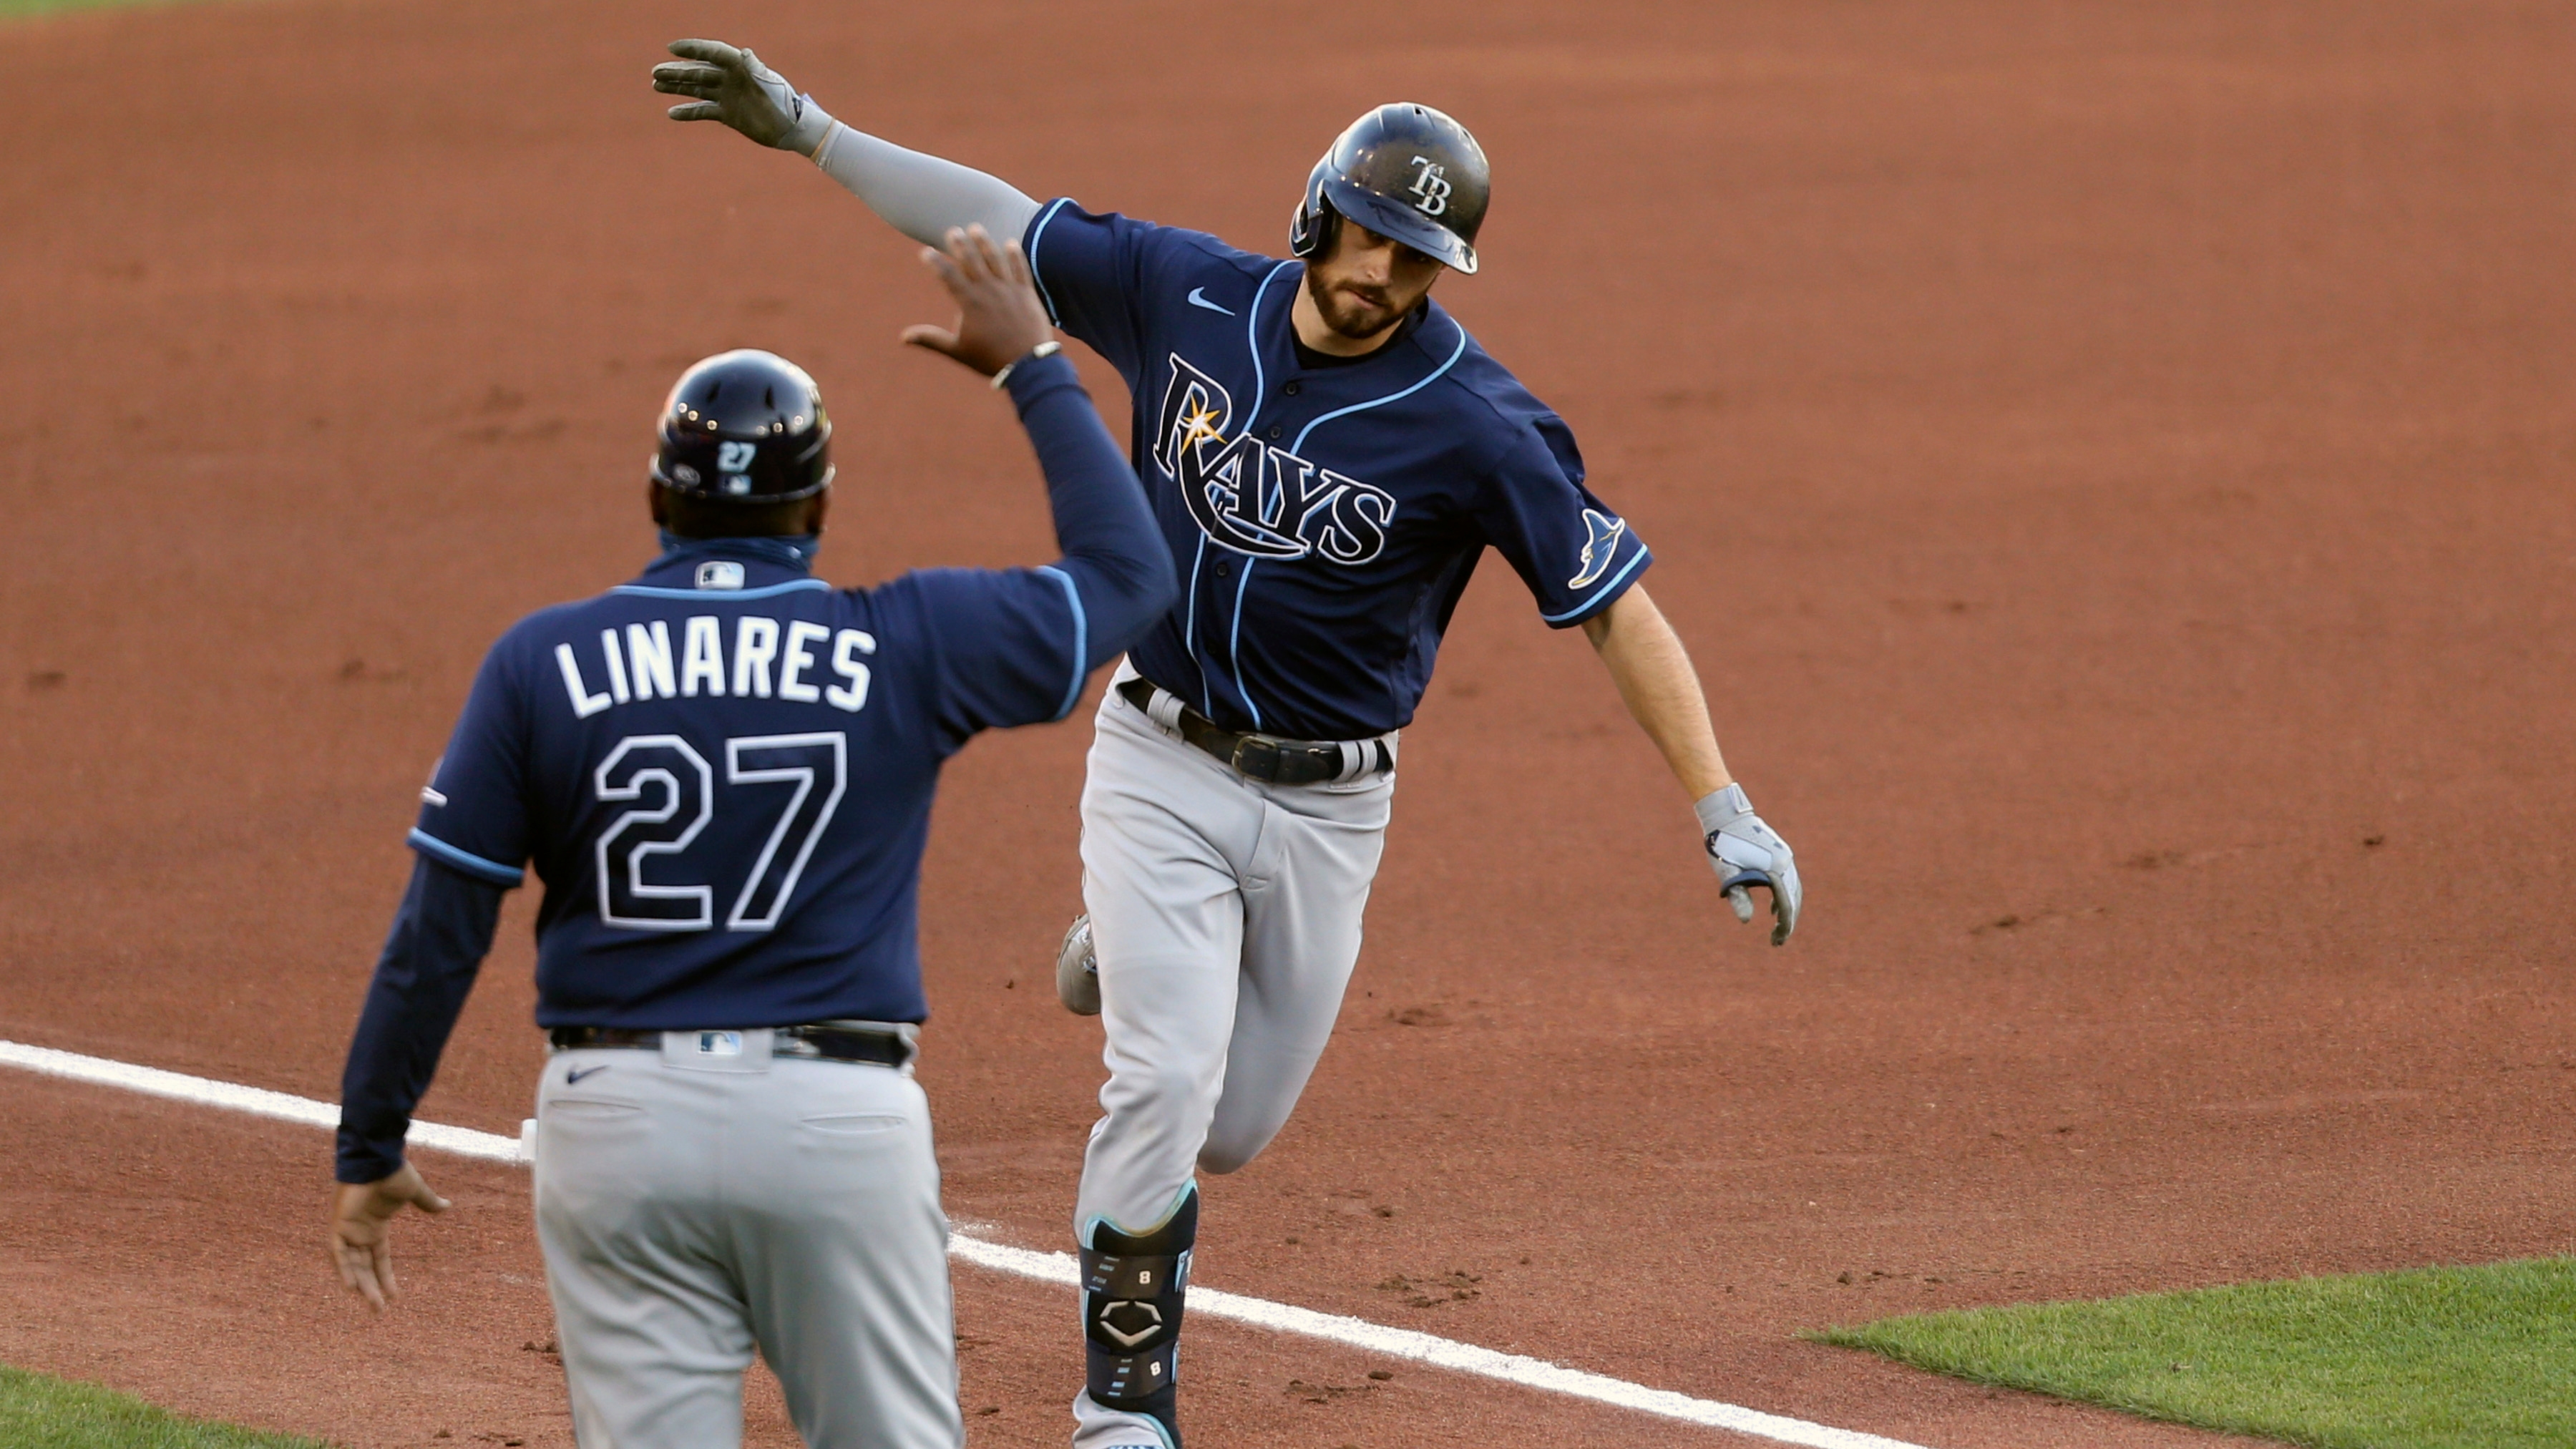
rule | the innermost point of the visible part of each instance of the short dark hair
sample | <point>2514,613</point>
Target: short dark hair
<point>693,517</point>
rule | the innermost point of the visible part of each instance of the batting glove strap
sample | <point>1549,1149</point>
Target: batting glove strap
<point>811,130</point>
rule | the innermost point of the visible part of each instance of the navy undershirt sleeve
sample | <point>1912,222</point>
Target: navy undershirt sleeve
<point>1112,549</point>
<point>441,934</point>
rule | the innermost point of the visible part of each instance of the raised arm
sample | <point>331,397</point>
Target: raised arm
<point>922,196</point>
<point>1112,550</point>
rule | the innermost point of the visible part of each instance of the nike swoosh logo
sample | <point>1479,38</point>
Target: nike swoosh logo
<point>575,1074</point>
<point>1198,298</point>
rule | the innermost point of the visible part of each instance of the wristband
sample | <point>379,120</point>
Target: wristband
<point>1719,809</point>
<point>1048,348</point>
<point>823,149</point>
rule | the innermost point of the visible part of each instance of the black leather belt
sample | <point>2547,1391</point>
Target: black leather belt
<point>824,1040</point>
<point>1267,758</point>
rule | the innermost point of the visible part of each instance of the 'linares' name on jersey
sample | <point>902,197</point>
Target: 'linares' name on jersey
<point>642,665</point>
<point>1254,498</point>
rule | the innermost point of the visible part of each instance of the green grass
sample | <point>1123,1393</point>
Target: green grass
<point>16,9</point>
<point>37,1412</point>
<point>2434,1358</point>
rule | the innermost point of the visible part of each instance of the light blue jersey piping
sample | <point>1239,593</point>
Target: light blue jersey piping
<point>1252,343</point>
<point>1608,585</point>
<point>1260,396</point>
<point>1299,447</point>
<point>1190,622</point>
<point>472,864</point>
<point>718,596</point>
<point>1234,632</point>
<point>1233,656</point>
<point>1081,638</point>
<point>1036,233</point>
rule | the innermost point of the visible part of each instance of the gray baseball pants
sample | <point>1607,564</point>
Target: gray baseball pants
<point>709,1198</point>
<point>1225,914</point>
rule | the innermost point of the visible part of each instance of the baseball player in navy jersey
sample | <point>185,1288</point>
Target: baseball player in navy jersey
<point>1328,453</point>
<point>723,773</point>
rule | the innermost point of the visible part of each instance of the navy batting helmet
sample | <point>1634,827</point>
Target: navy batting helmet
<point>1404,171</point>
<point>745,427</point>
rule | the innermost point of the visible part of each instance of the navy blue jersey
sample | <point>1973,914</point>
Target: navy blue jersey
<point>723,773</point>
<point>1323,520</point>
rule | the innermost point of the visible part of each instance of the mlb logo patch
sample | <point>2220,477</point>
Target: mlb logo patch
<point>719,573</point>
<point>719,1043</point>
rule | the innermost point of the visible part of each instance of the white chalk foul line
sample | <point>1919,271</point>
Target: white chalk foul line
<point>1057,1268</point>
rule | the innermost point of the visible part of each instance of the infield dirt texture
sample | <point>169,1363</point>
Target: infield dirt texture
<point>2115,466</point>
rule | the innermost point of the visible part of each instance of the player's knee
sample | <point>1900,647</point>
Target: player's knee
<point>1226,1152</point>
<point>1218,1161</point>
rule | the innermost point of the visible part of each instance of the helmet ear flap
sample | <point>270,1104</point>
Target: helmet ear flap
<point>1310,230</point>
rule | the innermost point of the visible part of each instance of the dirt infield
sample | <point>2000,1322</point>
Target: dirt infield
<point>2116,466</point>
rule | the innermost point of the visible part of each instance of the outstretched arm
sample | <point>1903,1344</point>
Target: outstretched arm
<point>1112,548</point>
<point>922,196</point>
<point>1655,679</point>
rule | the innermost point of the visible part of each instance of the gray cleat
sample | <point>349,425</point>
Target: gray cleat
<point>1077,970</point>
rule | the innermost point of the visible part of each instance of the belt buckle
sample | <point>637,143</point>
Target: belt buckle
<point>1248,748</point>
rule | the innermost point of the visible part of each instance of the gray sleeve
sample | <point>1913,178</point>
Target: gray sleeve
<point>919,195</point>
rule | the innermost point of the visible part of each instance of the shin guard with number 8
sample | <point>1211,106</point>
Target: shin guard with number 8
<point>1132,1287</point>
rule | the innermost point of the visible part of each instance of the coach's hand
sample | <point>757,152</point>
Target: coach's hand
<point>1746,853</point>
<point>999,316</point>
<point>732,86</point>
<point>360,1243</point>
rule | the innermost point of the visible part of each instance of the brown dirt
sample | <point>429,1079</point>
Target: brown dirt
<point>2115,463</point>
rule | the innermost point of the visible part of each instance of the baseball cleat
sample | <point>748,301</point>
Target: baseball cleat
<point>1077,970</point>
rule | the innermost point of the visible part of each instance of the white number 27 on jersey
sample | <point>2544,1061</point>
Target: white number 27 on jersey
<point>673,788</point>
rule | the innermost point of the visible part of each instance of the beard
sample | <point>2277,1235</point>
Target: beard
<point>1358,313</point>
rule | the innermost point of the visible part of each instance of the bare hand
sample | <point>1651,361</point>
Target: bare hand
<point>732,86</point>
<point>999,316</point>
<point>360,1242</point>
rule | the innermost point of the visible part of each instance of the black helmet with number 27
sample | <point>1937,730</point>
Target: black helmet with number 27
<point>1404,171</point>
<point>745,427</point>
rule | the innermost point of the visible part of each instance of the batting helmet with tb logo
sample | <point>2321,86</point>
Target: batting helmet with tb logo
<point>1404,171</point>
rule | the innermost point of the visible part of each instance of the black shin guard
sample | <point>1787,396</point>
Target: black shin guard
<point>1131,1314</point>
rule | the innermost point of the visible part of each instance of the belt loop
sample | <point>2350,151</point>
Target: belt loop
<point>1165,709</point>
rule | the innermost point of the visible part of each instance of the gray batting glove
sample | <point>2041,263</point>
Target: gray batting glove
<point>1747,853</point>
<point>732,86</point>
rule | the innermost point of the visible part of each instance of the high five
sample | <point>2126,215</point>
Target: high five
<point>1328,453</point>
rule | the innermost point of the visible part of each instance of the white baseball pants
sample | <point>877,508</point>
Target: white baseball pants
<point>1226,918</point>
<point>693,1204</point>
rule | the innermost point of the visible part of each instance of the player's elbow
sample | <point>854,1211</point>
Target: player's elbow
<point>1158,583</point>
<point>1125,592</point>
<point>1145,577</point>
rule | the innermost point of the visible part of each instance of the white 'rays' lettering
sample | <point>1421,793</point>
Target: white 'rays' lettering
<point>1257,499</point>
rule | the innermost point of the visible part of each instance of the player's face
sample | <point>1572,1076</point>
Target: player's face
<point>1368,282</point>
